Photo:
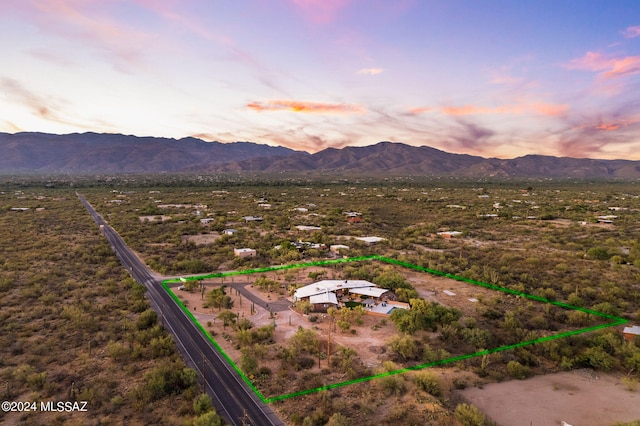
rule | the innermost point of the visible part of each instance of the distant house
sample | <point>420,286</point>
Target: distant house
<point>244,252</point>
<point>229,231</point>
<point>207,220</point>
<point>449,234</point>
<point>252,218</point>
<point>335,248</point>
<point>630,333</point>
<point>308,228</point>
<point>608,219</point>
<point>370,240</point>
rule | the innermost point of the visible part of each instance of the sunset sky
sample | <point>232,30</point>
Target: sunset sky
<point>490,78</point>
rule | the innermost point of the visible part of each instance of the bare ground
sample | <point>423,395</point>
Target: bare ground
<point>580,398</point>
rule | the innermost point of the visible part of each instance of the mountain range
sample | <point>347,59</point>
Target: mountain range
<point>115,153</point>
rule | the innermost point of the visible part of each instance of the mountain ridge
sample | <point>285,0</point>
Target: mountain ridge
<point>34,152</point>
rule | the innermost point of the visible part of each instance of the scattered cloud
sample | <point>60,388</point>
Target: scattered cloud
<point>44,108</point>
<point>608,67</point>
<point>91,24</point>
<point>306,107</point>
<point>469,138</point>
<point>632,32</point>
<point>552,110</point>
<point>420,110</point>
<point>608,134</point>
<point>370,71</point>
<point>47,108</point>
<point>607,127</point>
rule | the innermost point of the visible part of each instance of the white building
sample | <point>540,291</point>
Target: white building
<point>323,294</point>
<point>335,248</point>
<point>308,228</point>
<point>371,240</point>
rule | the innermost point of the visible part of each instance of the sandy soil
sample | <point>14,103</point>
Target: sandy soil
<point>580,398</point>
<point>201,239</point>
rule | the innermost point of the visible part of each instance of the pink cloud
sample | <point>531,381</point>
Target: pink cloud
<point>632,32</point>
<point>420,110</point>
<point>306,107</point>
<point>608,67</point>
<point>321,11</point>
<point>607,127</point>
<point>370,71</point>
<point>553,110</point>
<point>92,24</point>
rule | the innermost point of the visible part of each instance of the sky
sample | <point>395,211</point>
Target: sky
<point>483,77</point>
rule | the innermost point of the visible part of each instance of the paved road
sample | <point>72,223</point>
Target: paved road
<point>233,399</point>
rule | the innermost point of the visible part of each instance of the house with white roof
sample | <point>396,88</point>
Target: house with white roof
<point>370,240</point>
<point>630,333</point>
<point>326,293</point>
<point>308,228</point>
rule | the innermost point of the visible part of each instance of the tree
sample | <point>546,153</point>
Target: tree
<point>248,363</point>
<point>598,253</point>
<point>597,358</point>
<point>147,319</point>
<point>228,318</point>
<point>218,298</point>
<point>210,418</point>
<point>404,346</point>
<point>202,404</point>
<point>392,280</point>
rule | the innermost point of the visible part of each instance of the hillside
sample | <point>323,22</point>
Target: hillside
<point>115,153</point>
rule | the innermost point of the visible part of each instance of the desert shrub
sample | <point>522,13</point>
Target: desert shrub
<point>428,382</point>
<point>146,320</point>
<point>470,415</point>
<point>517,370</point>
<point>210,418</point>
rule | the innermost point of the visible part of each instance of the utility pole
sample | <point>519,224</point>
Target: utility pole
<point>329,344</point>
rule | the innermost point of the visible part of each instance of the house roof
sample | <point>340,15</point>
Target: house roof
<point>369,291</point>
<point>325,286</point>
<point>370,239</point>
<point>308,228</point>
<point>632,330</point>
<point>324,298</point>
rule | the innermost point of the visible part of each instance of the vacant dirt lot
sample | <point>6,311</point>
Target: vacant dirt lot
<point>580,398</point>
<point>202,239</point>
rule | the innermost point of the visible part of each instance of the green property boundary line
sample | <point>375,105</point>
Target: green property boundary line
<point>615,321</point>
